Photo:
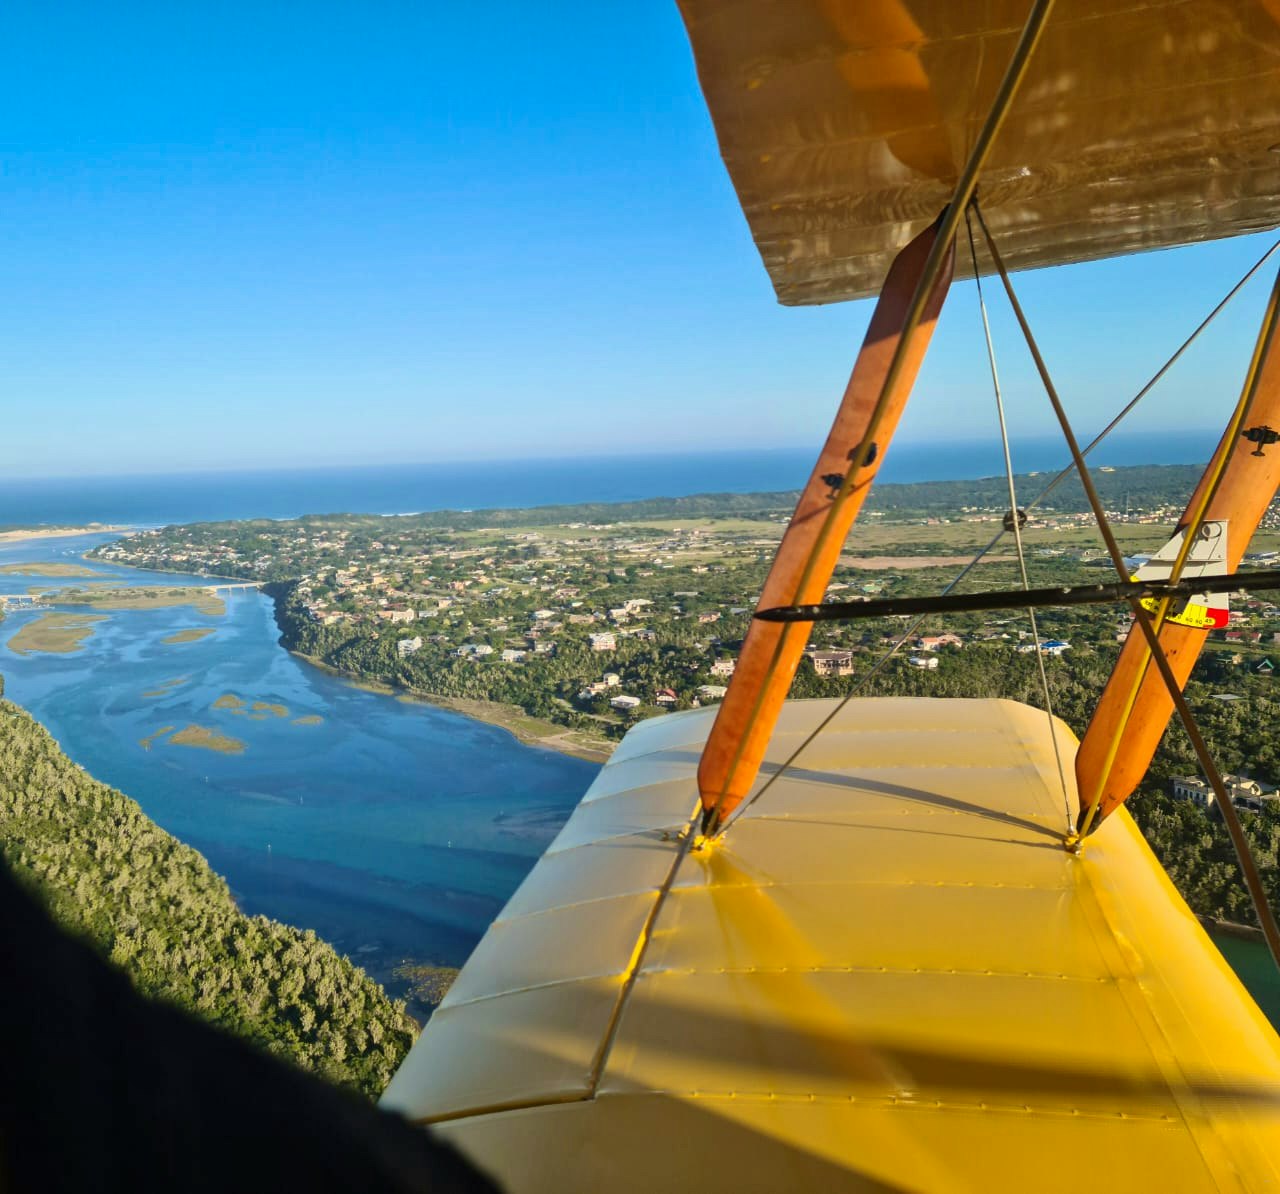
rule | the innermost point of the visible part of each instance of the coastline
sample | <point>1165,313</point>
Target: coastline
<point>1231,928</point>
<point>531,731</point>
<point>22,534</point>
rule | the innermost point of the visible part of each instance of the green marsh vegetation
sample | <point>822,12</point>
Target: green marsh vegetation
<point>203,601</point>
<point>56,634</point>
<point>206,738</point>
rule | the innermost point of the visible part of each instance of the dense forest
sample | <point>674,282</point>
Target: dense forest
<point>154,907</point>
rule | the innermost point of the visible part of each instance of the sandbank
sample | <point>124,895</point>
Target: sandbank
<point>47,568</point>
<point>146,743</point>
<point>204,601</point>
<point>56,634</point>
<point>23,533</point>
<point>205,738</point>
<point>189,635</point>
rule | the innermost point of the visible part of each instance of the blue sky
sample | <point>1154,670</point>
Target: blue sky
<point>240,235</point>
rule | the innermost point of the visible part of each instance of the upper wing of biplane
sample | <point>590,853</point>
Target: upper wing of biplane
<point>1141,124</point>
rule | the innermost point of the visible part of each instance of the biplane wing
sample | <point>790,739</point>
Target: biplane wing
<point>887,976</point>
<point>1141,124</point>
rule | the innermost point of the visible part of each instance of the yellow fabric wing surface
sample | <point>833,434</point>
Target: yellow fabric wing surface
<point>844,123</point>
<point>889,974</point>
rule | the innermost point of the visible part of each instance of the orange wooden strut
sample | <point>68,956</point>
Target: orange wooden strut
<point>1247,487</point>
<point>807,556</point>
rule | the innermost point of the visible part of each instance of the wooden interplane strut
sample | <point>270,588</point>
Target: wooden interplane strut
<point>815,537</point>
<point>890,358</point>
<point>1237,487</point>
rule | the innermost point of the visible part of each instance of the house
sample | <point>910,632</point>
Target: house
<point>511,655</point>
<point>928,662</point>
<point>607,641</point>
<point>711,692</point>
<point>1055,647</point>
<point>397,614</point>
<point>723,667</point>
<point>624,701</point>
<point>1244,792</point>
<point>407,646</point>
<point>712,616</point>
<point>473,650</point>
<point>666,697</point>
<point>935,642</point>
<point>831,663</point>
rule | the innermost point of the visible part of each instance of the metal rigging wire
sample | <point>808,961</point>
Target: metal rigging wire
<point>1015,521</point>
<point>1244,855</point>
<point>915,625</point>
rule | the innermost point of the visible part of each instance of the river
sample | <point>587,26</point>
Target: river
<point>394,830</point>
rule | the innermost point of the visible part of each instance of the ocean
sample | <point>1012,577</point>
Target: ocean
<point>154,500</point>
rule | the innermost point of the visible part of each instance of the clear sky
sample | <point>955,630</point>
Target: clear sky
<point>245,234</point>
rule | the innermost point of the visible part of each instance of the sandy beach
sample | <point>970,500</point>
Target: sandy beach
<point>24,533</point>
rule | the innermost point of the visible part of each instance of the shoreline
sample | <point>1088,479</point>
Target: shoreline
<point>22,534</point>
<point>1231,928</point>
<point>529,731</point>
<point>240,580</point>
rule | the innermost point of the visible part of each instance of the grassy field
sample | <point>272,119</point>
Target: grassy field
<point>57,634</point>
<point>189,635</point>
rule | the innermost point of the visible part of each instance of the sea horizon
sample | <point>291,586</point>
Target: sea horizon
<point>156,499</point>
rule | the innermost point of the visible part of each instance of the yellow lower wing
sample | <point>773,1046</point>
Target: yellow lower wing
<point>888,975</point>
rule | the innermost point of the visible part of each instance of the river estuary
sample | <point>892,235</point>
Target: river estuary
<point>395,830</point>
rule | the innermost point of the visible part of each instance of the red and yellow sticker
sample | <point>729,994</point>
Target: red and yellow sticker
<point>1196,612</point>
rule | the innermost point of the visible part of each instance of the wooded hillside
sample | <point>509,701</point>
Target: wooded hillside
<point>154,907</point>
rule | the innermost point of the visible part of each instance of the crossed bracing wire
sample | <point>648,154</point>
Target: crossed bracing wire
<point>1143,619</point>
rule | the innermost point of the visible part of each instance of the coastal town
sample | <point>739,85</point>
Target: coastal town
<point>593,625</point>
